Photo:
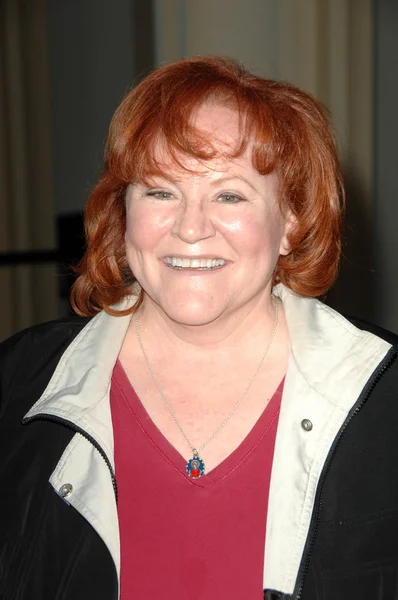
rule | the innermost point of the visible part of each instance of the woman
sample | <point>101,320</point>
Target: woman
<point>213,431</point>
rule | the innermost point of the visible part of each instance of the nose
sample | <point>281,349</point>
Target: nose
<point>193,223</point>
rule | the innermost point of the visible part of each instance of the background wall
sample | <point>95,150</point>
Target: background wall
<point>28,284</point>
<point>385,213</point>
<point>92,67</point>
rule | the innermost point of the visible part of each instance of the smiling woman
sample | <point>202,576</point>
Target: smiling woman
<point>213,418</point>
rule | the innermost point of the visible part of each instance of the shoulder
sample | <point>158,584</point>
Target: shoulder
<point>384,334</point>
<point>386,389</point>
<point>31,355</point>
<point>50,334</point>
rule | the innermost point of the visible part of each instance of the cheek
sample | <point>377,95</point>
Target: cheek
<point>254,233</point>
<point>143,227</point>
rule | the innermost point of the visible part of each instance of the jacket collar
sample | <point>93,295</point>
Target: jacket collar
<point>332,355</point>
<point>78,390</point>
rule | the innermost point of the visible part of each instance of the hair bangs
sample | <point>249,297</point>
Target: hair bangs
<point>132,151</point>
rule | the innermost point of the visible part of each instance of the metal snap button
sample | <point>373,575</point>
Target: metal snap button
<point>306,424</point>
<point>65,490</point>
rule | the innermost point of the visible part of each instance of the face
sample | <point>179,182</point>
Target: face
<point>204,245</point>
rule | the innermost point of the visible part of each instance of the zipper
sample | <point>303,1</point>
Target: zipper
<point>362,399</point>
<point>82,432</point>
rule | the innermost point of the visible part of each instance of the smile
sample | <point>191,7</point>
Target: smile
<point>194,263</point>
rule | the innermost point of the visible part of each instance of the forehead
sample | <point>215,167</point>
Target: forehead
<point>217,133</point>
<point>220,123</point>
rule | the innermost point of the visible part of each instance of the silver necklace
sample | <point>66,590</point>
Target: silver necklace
<point>195,466</point>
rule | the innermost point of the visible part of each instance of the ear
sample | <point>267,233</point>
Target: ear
<point>290,222</point>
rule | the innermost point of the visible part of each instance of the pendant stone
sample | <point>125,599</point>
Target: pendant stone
<point>195,466</point>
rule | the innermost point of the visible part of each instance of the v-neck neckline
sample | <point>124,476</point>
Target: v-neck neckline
<point>229,464</point>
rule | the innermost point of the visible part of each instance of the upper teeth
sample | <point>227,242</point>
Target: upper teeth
<point>195,263</point>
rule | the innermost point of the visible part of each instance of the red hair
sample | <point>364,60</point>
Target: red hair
<point>292,136</point>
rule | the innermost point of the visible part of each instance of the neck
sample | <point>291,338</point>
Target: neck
<point>252,322</point>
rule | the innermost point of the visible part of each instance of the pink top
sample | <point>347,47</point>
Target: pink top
<point>190,539</point>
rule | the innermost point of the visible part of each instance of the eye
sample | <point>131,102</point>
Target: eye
<point>159,194</point>
<point>231,198</point>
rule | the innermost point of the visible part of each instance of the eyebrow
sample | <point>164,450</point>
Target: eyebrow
<point>219,181</point>
<point>228,178</point>
<point>172,180</point>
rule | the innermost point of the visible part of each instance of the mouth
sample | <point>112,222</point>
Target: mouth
<point>200,264</point>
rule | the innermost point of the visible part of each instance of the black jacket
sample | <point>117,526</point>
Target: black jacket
<point>50,551</point>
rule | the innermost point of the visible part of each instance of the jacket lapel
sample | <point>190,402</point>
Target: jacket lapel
<point>329,365</point>
<point>78,393</point>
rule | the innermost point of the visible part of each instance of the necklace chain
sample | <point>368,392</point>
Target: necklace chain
<point>234,408</point>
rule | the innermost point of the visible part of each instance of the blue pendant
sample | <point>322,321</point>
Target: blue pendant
<point>195,466</point>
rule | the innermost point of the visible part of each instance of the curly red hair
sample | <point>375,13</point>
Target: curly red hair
<point>292,136</point>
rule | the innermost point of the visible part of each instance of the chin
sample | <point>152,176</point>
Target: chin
<point>193,314</point>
